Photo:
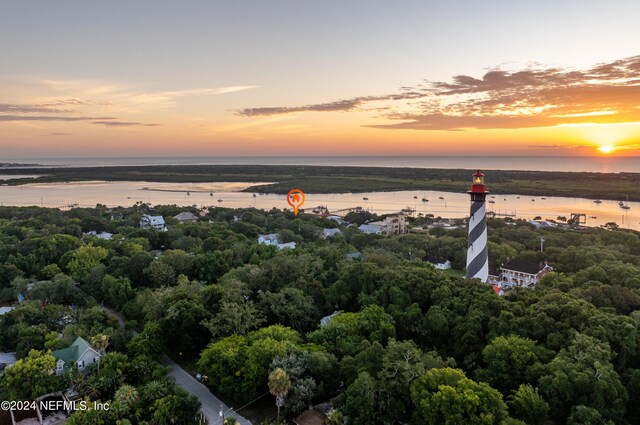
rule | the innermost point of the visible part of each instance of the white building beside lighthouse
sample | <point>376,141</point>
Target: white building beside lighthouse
<point>477,249</point>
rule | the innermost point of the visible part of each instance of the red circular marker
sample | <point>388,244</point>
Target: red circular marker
<point>295,198</point>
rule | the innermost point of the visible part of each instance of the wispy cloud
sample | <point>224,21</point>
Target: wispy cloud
<point>29,109</point>
<point>344,105</point>
<point>536,96</point>
<point>49,118</point>
<point>124,124</point>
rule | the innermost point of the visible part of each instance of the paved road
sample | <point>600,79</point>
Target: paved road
<point>210,403</point>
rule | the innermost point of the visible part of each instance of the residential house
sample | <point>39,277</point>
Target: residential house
<point>391,225</point>
<point>270,239</point>
<point>338,220</point>
<point>186,217</point>
<point>100,235</point>
<point>5,310</point>
<point>439,262</point>
<point>6,359</point>
<point>375,228</point>
<point>326,319</point>
<point>396,224</point>
<point>521,273</point>
<point>327,233</point>
<point>291,245</point>
<point>80,353</point>
<point>542,224</point>
<point>153,222</point>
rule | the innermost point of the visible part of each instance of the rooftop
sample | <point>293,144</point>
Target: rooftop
<point>73,352</point>
<point>523,266</point>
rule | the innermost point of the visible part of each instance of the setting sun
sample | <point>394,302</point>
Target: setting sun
<point>606,149</point>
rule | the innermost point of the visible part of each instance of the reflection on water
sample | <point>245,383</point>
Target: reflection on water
<point>444,204</point>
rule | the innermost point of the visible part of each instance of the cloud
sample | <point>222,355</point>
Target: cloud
<point>536,96</point>
<point>344,105</point>
<point>49,118</point>
<point>56,134</point>
<point>123,124</point>
<point>29,109</point>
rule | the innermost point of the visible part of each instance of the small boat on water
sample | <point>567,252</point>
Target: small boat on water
<point>623,205</point>
<point>219,200</point>
<point>517,197</point>
<point>491,201</point>
<point>425,200</point>
<point>543,198</point>
<point>415,197</point>
<point>533,200</point>
<point>365,199</point>
<point>211,194</point>
<point>442,197</point>
<point>597,201</point>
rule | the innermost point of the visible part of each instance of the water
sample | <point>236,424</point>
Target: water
<point>601,164</point>
<point>454,205</point>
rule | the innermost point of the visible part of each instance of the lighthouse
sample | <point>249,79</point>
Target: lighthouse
<point>477,251</point>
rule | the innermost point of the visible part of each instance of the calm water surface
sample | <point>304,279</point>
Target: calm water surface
<point>601,164</point>
<point>453,205</point>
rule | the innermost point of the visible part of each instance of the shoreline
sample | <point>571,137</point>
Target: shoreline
<point>279,179</point>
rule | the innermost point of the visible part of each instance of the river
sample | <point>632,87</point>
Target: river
<point>444,204</point>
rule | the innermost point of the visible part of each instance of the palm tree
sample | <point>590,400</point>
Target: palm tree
<point>100,342</point>
<point>279,385</point>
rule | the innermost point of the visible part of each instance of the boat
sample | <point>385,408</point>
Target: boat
<point>365,199</point>
<point>491,201</point>
<point>517,197</point>
<point>210,193</point>
<point>442,197</point>
<point>597,201</point>
<point>543,198</point>
<point>415,197</point>
<point>219,200</point>
<point>425,200</point>
<point>533,200</point>
<point>254,195</point>
<point>623,205</point>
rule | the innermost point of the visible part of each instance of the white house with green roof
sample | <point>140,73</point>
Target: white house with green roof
<point>80,353</point>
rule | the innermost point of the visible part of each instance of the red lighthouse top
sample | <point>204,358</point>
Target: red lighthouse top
<point>478,183</point>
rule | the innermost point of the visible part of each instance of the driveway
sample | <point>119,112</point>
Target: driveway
<point>210,403</point>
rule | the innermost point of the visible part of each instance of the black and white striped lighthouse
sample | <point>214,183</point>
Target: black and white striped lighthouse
<point>477,251</point>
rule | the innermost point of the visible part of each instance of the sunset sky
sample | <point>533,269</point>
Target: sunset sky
<point>308,77</point>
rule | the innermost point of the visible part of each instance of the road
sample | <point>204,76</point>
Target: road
<point>210,404</point>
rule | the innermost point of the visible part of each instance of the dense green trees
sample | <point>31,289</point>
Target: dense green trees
<point>207,293</point>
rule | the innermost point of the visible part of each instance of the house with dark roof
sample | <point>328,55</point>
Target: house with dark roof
<point>439,262</point>
<point>80,353</point>
<point>186,217</point>
<point>522,273</point>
